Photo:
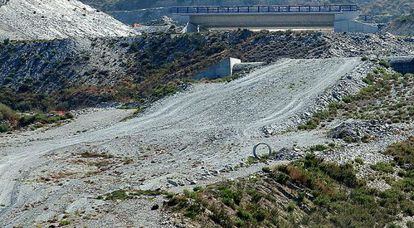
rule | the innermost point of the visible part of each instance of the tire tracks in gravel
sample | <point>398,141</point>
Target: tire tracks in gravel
<point>246,104</point>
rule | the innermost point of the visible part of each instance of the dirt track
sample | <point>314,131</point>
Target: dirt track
<point>181,139</point>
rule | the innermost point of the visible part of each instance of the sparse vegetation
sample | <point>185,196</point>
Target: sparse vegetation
<point>383,167</point>
<point>325,194</point>
<point>64,223</point>
<point>359,161</point>
<point>403,152</point>
<point>123,194</point>
<point>151,66</point>
<point>10,119</point>
<point>387,98</point>
<point>318,147</point>
<point>88,154</point>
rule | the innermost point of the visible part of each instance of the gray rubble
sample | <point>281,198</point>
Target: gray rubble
<point>35,20</point>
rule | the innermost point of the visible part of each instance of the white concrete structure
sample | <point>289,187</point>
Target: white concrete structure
<point>339,18</point>
<point>222,69</point>
<point>346,22</point>
<point>227,67</point>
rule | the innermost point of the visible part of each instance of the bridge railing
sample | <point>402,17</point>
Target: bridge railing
<point>262,9</point>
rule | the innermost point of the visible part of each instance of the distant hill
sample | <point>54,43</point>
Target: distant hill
<point>51,19</point>
<point>402,26</point>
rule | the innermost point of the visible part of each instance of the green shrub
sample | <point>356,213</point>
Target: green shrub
<point>6,113</point>
<point>244,215</point>
<point>309,125</point>
<point>64,223</point>
<point>384,63</point>
<point>266,169</point>
<point>26,120</point>
<point>4,128</point>
<point>383,167</point>
<point>280,177</point>
<point>359,161</point>
<point>164,90</point>
<point>363,197</point>
<point>338,199</point>
<point>403,152</point>
<point>345,174</point>
<point>369,79</point>
<point>230,197</point>
<point>6,42</point>
<point>318,147</point>
<point>117,195</point>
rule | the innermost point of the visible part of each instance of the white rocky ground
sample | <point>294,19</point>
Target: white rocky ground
<point>54,19</point>
<point>196,137</point>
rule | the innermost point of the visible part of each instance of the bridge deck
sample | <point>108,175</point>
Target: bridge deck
<point>195,10</point>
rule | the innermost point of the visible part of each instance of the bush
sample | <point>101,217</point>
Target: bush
<point>117,195</point>
<point>384,63</point>
<point>6,41</point>
<point>244,215</point>
<point>318,147</point>
<point>310,125</point>
<point>359,161</point>
<point>403,152</point>
<point>229,196</point>
<point>383,167</point>
<point>6,113</point>
<point>26,120</point>
<point>280,177</point>
<point>64,223</point>
<point>4,128</point>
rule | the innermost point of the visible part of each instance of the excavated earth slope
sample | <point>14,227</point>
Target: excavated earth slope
<point>181,140</point>
<point>53,19</point>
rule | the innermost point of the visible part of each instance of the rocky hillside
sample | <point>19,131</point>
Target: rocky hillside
<point>402,26</point>
<point>36,19</point>
<point>389,8</point>
<point>67,74</point>
<point>3,2</point>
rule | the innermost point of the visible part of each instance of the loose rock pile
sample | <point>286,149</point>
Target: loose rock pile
<point>3,2</point>
<point>357,131</point>
<point>35,20</point>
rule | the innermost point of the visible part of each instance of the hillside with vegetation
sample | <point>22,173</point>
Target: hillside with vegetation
<point>403,25</point>
<point>68,74</point>
<point>105,126</point>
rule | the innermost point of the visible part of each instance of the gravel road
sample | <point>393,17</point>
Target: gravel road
<point>188,138</point>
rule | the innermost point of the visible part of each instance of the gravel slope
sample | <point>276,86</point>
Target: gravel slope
<point>54,19</point>
<point>181,139</point>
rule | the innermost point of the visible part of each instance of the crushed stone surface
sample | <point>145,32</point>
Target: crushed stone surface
<point>196,137</point>
<point>56,19</point>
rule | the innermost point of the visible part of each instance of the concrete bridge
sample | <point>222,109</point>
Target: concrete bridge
<point>340,18</point>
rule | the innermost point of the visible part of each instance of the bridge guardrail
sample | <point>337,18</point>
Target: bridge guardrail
<point>183,10</point>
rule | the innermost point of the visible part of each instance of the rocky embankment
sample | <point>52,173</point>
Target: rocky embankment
<point>55,19</point>
<point>402,26</point>
<point>148,67</point>
<point>196,137</point>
